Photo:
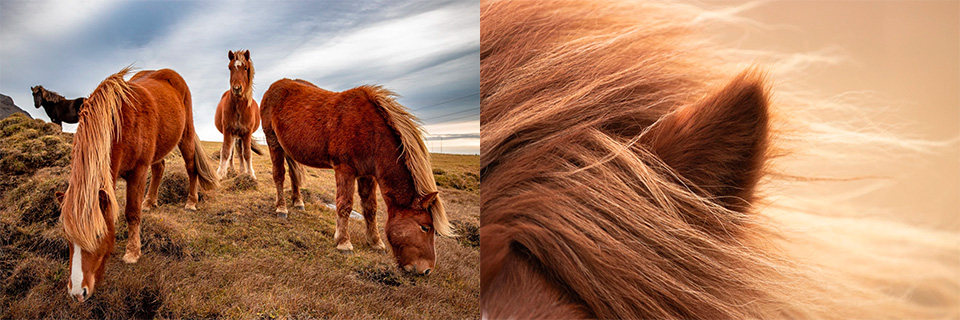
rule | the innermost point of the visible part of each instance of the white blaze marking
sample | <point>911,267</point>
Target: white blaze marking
<point>237,64</point>
<point>76,271</point>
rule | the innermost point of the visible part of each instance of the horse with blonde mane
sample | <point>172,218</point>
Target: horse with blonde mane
<point>238,115</point>
<point>626,167</point>
<point>368,139</point>
<point>125,128</point>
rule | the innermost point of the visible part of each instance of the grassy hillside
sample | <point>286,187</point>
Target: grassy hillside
<point>231,258</point>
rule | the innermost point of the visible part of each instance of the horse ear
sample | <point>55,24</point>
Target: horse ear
<point>246,54</point>
<point>719,143</point>
<point>428,199</point>
<point>59,196</point>
<point>230,55</point>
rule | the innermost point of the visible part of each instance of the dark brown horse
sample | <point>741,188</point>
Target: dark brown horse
<point>624,166</point>
<point>238,115</point>
<point>125,129</point>
<point>58,108</point>
<point>369,140</point>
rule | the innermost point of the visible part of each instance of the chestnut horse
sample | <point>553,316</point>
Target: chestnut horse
<point>238,115</point>
<point>58,108</point>
<point>125,128</point>
<point>623,166</point>
<point>368,139</point>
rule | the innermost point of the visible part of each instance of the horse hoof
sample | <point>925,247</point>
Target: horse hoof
<point>379,247</point>
<point>190,207</point>
<point>346,246</point>
<point>282,215</point>
<point>130,258</point>
<point>300,207</point>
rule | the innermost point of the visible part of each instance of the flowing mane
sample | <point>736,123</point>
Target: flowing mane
<point>90,169</point>
<point>581,201</point>
<point>416,156</point>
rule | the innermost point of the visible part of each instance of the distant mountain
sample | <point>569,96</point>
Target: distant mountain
<point>7,107</point>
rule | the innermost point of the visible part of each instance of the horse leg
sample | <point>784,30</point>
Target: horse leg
<point>156,173</point>
<point>135,184</point>
<point>276,159</point>
<point>226,155</point>
<point>346,183</point>
<point>247,154</point>
<point>295,175</point>
<point>189,152</point>
<point>367,188</point>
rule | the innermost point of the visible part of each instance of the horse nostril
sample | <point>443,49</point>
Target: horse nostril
<point>84,295</point>
<point>426,272</point>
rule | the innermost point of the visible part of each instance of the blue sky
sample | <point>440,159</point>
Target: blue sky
<point>427,51</point>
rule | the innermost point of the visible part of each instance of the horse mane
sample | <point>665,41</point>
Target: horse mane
<point>417,158</point>
<point>570,90</point>
<point>90,171</point>
<point>50,96</point>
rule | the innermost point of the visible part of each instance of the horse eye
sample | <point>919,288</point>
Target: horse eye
<point>425,228</point>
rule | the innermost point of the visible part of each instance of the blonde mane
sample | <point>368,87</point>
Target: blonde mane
<point>90,171</point>
<point>415,153</point>
<point>569,91</point>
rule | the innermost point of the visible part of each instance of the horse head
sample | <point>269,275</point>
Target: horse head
<point>89,255</point>
<point>241,73</point>
<point>37,96</point>
<point>411,233</point>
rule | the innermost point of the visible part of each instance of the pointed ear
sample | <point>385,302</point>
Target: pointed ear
<point>246,55</point>
<point>718,143</point>
<point>59,196</point>
<point>230,55</point>
<point>428,199</point>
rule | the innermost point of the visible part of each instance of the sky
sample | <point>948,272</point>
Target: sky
<point>426,51</point>
<point>905,53</point>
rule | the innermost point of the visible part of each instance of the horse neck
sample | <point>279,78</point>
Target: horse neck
<point>394,178</point>
<point>239,103</point>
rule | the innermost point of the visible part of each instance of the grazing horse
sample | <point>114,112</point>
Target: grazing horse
<point>58,108</point>
<point>625,166</point>
<point>368,139</point>
<point>237,114</point>
<point>125,128</point>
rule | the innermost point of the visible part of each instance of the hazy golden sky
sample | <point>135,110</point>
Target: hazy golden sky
<point>909,53</point>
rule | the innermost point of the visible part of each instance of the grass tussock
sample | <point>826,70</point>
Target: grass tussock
<point>232,258</point>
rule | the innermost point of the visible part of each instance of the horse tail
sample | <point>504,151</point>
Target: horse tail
<point>206,172</point>
<point>253,146</point>
<point>296,170</point>
<point>410,131</point>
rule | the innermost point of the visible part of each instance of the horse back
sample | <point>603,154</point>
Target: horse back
<point>158,115</point>
<point>321,128</point>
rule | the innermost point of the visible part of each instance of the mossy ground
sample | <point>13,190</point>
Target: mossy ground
<point>231,258</point>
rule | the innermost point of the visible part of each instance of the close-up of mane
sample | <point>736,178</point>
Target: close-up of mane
<point>631,167</point>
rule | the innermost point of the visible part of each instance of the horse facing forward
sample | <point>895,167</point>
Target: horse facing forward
<point>125,128</point>
<point>369,140</point>
<point>624,169</point>
<point>58,108</point>
<point>238,115</point>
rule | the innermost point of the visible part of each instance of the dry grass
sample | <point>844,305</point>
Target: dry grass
<point>233,257</point>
